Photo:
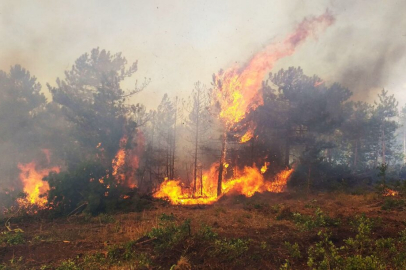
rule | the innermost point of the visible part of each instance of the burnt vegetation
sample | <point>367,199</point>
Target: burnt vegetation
<point>81,170</point>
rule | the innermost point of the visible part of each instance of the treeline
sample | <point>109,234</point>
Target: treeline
<point>303,122</point>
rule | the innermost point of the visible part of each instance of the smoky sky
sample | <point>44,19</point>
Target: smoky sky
<point>178,43</point>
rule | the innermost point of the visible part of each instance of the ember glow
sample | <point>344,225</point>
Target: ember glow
<point>31,178</point>
<point>389,192</point>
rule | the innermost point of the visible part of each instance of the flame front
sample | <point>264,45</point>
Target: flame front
<point>33,186</point>
<point>247,182</point>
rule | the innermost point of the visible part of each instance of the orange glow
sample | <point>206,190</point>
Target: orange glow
<point>264,168</point>
<point>318,83</point>
<point>279,184</point>
<point>237,89</point>
<point>119,161</point>
<point>173,190</point>
<point>126,161</point>
<point>33,186</point>
<point>236,93</point>
<point>247,182</point>
<point>389,192</point>
<point>247,136</point>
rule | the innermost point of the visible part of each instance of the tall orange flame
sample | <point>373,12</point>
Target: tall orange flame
<point>237,92</point>
<point>238,87</point>
<point>126,161</point>
<point>33,186</point>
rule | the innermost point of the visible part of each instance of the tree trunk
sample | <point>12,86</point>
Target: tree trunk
<point>308,181</point>
<point>287,150</point>
<point>383,146</point>
<point>252,152</point>
<point>404,144</point>
<point>356,154</point>
<point>168,155</point>
<point>174,141</point>
<point>222,158</point>
<point>201,180</point>
<point>196,141</point>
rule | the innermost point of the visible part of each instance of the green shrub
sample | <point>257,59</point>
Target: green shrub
<point>68,265</point>
<point>293,250</point>
<point>324,254</point>
<point>206,233</point>
<point>143,261</point>
<point>359,252</point>
<point>113,253</point>
<point>165,217</point>
<point>359,262</point>
<point>391,203</point>
<point>169,235</point>
<point>12,238</point>
<point>90,184</point>
<point>319,219</point>
<point>230,248</point>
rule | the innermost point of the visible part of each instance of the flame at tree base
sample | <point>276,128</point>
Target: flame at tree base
<point>33,185</point>
<point>249,181</point>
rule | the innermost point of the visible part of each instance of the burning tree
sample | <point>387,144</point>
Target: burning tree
<point>22,132</point>
<point>236,93</point>
<point>94,103</point>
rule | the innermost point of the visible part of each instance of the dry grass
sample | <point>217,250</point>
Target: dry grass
<point>253,218</point>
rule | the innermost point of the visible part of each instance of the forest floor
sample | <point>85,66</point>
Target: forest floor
<point>266,231</point>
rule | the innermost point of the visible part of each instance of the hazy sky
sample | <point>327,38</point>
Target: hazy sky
<point>178,43</point>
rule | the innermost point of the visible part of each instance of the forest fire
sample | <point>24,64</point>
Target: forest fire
<point>238,87</point>
<point>203,135</point>
<point>248,181</point>
<point>33,185</point>
<point>126,161</point>
<point>119,161</point>
<point>237,92</point>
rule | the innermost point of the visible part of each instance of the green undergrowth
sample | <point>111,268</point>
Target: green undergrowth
<point>311,241</point>
<point>359,252</point>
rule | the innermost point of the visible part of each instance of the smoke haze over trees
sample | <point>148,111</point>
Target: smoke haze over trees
<point>303,122</point>
<point>100,135</point>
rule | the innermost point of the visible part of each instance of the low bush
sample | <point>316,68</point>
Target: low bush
<point>319,219</point>
<point>12,238</point>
